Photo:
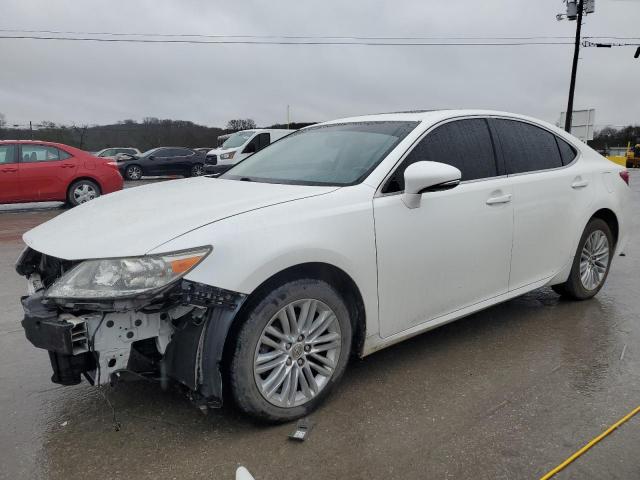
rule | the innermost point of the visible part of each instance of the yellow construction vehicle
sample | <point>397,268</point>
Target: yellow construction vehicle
<point>627,157</point>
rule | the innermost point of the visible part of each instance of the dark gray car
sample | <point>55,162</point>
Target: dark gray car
<point>162,161</point>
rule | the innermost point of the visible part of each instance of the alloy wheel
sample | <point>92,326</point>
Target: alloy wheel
<point>594,260</point>
<point>84,192</point>
<point>297,353</point>
<point>134,172</point>
<point>197,170</point>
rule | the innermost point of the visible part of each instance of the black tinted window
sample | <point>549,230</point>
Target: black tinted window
<point>526,148</point>
<point>567,152</point>
<point>263,140</point>
<point>464,144</point>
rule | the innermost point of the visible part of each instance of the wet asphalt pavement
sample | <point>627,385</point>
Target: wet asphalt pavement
<point>507,393</point>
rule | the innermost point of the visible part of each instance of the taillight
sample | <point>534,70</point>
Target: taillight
<point>624,175</point>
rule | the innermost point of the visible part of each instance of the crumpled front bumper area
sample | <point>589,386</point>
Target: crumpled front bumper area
<point>178,334</point>
<point>64,340</point>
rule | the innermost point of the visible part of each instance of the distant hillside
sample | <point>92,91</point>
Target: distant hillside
<point>149,133</point>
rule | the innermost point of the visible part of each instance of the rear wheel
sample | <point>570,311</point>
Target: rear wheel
<point>82,191</point>
<point>591,263</point>
<point>133,172</point>
<point>291,350</point>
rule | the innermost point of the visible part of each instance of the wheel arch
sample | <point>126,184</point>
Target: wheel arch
<point>334,276</point>
<point>132,164</point>
<point>83,177</point>
<point>611,219</point>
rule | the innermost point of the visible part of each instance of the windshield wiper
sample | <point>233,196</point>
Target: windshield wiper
<point>245,179</point>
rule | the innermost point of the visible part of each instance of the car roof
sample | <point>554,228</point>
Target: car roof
<point>434,116</point>
<point>430,116</point>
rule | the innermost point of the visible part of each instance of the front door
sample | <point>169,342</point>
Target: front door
<point>454,250</point>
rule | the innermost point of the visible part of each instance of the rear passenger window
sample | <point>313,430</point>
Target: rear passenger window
<point>464,144</point>
<point>567,152</point>
<point>39,153</point>
<point>526,148</point>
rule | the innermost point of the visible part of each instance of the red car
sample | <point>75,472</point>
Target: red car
<point>34,171</point>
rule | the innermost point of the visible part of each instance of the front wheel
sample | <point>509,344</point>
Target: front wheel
<point>82,191</point>
<point>591,263</point>
<point>133,172</point>
<point>197,170</point>
<point>291,350</point>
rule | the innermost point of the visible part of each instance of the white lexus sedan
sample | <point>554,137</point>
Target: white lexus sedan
<point>342,238</point>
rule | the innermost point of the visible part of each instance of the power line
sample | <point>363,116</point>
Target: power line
<point>303,37</point>
<point>293,37</point>
<point>277,42</point>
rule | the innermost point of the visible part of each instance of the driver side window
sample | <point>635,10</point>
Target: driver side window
<point>465,144</point>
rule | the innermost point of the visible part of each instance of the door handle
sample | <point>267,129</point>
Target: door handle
<point>67,165</point>
<point>10,169</point>
<point>579,184</point>
<point>501,199</point>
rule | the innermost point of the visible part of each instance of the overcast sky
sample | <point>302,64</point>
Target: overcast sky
<point>94,83</point>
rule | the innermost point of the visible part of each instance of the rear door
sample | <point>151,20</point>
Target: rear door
<point>10,190</point>
<point>454,250</point>
<point>45,172</point>
<point>550,192</point>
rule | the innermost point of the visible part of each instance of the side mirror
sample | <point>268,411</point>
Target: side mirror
<point>420,177</point>
<point>251,148</point>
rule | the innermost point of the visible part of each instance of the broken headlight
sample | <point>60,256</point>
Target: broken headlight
<point>125,277</point>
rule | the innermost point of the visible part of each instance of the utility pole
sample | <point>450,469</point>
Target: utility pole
<point>574,68</point>
<point>30,130</point>
<point>288,116</point>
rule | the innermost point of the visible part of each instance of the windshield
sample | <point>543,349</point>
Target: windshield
<point>238,139</point>
<point>149,152</point>
<point>339,154</point>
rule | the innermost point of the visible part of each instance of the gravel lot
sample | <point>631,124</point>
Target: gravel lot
<point>506,393</point>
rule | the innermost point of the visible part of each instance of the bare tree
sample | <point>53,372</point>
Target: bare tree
<point>3,120</point>
<point>241,124</point>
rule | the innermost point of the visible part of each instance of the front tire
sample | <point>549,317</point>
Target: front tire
<point>591,262</point>
<point>82,191</point>
<point>197,170</point>
<point>291,350</point>
<point>133,172</point>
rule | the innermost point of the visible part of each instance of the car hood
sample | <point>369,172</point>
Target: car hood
<point>136,220</point>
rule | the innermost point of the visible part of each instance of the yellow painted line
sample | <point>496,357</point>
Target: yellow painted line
<point>564,464</point>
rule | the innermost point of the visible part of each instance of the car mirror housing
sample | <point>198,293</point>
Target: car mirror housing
<point>421,177</point>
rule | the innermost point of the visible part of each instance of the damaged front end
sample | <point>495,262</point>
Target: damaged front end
<point>176,331</point>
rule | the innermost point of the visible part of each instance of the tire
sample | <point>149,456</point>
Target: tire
<point>133,172</point>
<point>82,191</point>
<point>580,285</point>
<point>294,358</point>
<point>197,170</point>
